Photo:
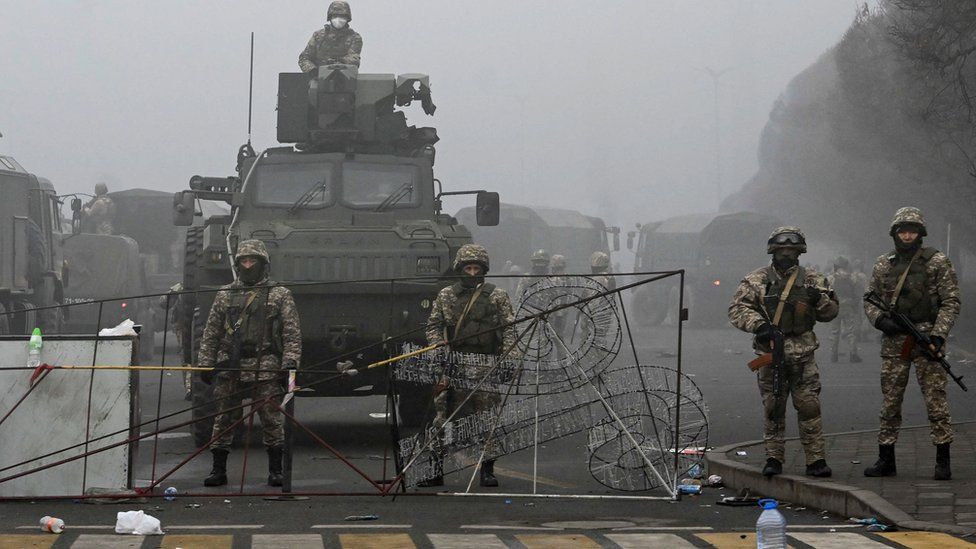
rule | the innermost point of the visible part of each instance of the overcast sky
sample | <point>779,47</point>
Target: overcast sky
<point>603,107</point>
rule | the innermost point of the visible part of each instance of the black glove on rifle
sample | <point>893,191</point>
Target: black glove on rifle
<point>887,324</point>
<point>764,333</point>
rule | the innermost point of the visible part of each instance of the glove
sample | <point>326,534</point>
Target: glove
<point>207,376</point>
<point>764,333</point>
<point>937,342</point>
<point>888,325</point>
<point>814,294</point>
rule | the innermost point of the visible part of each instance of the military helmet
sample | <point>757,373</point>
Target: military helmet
<point>339,8</point>
<point>252,248</point>
<point>558,261</point>
<point>909,215</point>
<point>786,237</point>
<point>841,263</point>
<point>540,256</point>
<point>471,253</point>
<point>600,260</point>
<point>100,189</point>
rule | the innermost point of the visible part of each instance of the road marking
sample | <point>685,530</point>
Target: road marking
<point>663,529</point>
<point>113,541</point>
<point>924,540</point>
<point>466,541</point>
<point>820,526</point>
<point>638,541</point>
<point>589,524</point>
<point>25,540</point>
<point>836,540</point>
<point>287,541</point>
<point>196,542</point>
<point>557,541</point>
<point>376,541</point>
<point>731,540</point>
<point>526,476</point>
<point>214,527</point>
<point>503,527</point>
<point>74,527</point>
<point>348,526</point>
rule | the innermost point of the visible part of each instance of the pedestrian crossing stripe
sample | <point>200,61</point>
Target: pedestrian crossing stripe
<point>530,540</point>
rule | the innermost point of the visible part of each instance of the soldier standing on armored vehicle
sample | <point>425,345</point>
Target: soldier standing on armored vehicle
<point>251,338</point>
<point>463,314</point>
<point>782,302</point>
<point>99,213</point>
<point>334,43</point>
<point>845,285</point>
<point>920,283</point>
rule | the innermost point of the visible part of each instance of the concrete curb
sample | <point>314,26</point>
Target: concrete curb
<point>841,499</point>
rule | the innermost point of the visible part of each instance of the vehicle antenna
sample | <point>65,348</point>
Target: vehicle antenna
<point>250,92</point>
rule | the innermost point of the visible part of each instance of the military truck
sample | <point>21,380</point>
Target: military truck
<point>715,250</point>
<point>354,205</point>
<point>31,262</point>
<point>525,229</point>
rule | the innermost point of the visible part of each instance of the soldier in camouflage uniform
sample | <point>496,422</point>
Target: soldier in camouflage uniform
<point>463,314</point>
<point>808,300</point>
<point>921,283</point>
<point>99,213</point>
<point>600,266</point>
<point>260,317</point>
<point>334,43</point>
<point>540,266</point>
<point>844,284</point>
<point>860,286</point>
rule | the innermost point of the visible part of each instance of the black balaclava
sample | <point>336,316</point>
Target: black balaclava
<point>253,275</point>
<point>908,249</point>
<point>469,281</point>
<point>786,258</point>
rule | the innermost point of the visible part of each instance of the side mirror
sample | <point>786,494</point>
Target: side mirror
<point>630,239</point>
<point>76,205</point>
<point>183,204</point>
<point>487,209</point>
<point>75,215</point>
<point>616,241</point>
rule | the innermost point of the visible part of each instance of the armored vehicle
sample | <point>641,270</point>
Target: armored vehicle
<point>351,217</point>
<point>31,263</point>
<point>525,229</point>
<point>715,250</point>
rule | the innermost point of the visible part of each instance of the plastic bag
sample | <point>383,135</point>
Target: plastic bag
<point>125,328</point>
<point>138,523</point>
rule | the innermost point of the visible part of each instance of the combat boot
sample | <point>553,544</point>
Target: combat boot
<point>885,466</point>
<point>218,475</point>
<point>942,470</point>
<point>488,474</point>
<point>819,468</point>
<point>855,358</point>
<point>773,467</point>
<point>274,466</point>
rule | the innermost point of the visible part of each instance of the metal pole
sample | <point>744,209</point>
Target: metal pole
<point>682,317</point>
<point>91,384</point>
<point>287,454</point>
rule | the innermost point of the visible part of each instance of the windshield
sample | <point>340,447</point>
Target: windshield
<point>285,184</point>
<point>374,185</point>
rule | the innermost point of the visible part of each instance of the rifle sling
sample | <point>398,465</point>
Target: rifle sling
<point>902,278</point>
<point>783,296</point>
<point>467,308</point>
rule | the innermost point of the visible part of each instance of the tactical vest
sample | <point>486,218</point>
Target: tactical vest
<point>247,316</point>
<point>480,318</point>
<point>799,315</point>
<point>915,300</point>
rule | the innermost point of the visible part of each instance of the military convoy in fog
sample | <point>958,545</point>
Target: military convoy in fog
<point>714,249</point>
<point>353,205</point>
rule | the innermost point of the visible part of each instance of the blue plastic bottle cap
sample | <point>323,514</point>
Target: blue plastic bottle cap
<point>768,503</point>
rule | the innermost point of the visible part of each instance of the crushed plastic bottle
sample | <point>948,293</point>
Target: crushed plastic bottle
<point>34,349</point>
<point>51,524</point>
<point>170,493</point>
<point>771,526</point>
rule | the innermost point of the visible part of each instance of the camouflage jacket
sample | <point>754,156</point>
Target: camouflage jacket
<point>280,310</point>
<point>847,288</point>
<point>99,214</point>
<point>941,284</point>
<point>442,314</point>
<point>330,45</point>
<point>746,312</point>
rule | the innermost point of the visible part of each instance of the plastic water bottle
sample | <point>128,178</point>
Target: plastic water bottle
<point>170,493</point>
<point>771,526</point>
<point>51,524</point>
<point>34,349</point>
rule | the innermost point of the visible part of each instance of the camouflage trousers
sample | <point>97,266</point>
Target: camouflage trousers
<point>847,324</point>
<point>485,404</point>
<point>932,379</point>
<point>230,392</point>
<point>801,380</point>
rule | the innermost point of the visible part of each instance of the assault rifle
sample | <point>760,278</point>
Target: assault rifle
<point>775,358</point>
<point>915,336</point>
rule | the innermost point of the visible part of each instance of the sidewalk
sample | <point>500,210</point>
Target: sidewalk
<point>911,499</point>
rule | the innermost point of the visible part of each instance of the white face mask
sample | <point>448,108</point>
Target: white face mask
<point>338,22</point>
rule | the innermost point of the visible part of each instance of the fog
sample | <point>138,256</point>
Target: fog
<point>603,107</point>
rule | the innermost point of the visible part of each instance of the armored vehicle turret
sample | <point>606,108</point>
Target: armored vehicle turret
<point>354,205</point>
